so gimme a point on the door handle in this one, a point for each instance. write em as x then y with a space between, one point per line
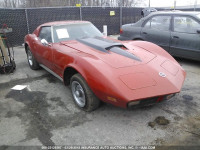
175 37
144 33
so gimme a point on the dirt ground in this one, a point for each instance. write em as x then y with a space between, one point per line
45 114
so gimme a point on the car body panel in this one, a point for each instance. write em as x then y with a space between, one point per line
185 45
113 77
162 39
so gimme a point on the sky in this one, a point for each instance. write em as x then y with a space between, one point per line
170 3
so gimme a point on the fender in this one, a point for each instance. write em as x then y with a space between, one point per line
137 38
28 42
96 80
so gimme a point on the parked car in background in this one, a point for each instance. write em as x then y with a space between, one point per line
146 11
99 68
176 32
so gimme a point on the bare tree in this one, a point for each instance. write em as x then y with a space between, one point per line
5 3
53 3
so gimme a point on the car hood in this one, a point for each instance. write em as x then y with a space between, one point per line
112 52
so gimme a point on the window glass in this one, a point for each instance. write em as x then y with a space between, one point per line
75 31
198 15
45 33
185 24
159 22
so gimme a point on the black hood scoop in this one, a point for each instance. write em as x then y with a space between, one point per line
106 46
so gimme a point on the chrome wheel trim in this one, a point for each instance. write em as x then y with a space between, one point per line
78 93
30 58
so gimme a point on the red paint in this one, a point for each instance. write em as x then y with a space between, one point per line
106 74
120 31
160 99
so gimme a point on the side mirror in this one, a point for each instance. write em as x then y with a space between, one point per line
44 42
198 31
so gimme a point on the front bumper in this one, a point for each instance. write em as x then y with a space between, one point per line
149 101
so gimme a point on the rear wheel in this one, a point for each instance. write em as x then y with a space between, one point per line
31 60
83 96
138 40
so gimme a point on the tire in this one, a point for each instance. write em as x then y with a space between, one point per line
34 65
83 96
13 64
138 40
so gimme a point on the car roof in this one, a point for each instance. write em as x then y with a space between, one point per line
55 23
177 12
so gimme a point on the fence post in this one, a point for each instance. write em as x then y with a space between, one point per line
120 16
27 23
105 30
81 14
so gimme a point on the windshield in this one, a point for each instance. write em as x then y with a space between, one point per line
198 15
75 31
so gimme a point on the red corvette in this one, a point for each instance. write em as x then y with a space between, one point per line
99 68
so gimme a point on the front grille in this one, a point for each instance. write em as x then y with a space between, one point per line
148 101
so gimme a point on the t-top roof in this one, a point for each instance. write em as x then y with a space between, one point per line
55 23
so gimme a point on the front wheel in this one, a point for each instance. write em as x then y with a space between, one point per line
83 96
31 60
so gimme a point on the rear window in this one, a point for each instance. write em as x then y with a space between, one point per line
159 22
185 24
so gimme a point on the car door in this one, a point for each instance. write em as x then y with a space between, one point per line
157 30
60 57
185 41
44 51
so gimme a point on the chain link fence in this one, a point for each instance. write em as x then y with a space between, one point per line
24 21
15 19
37 16
101 16
130 15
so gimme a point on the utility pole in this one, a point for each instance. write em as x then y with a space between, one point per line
195 5
174 4
149 3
